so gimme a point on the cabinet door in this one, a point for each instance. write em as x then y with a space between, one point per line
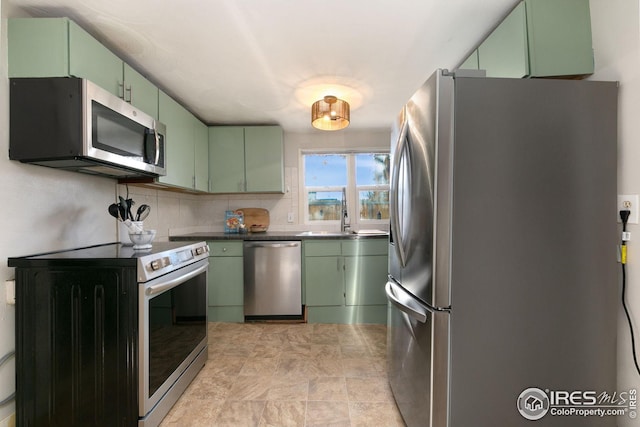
559 37
140 92
38 47
365 277
225 281
201 161
180 147
471 63
324 280
505 52
88 58
264 159
226 159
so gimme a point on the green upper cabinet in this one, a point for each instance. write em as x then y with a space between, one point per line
58 47
88 58
540 38
471 63
226 159
246 159
140 92
180 149
201 161
264 159
187 146
504 52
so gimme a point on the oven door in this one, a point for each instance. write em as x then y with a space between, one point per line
173 330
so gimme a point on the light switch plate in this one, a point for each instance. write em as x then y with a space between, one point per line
630 202
290 217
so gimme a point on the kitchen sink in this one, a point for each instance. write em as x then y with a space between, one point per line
342 233
326 233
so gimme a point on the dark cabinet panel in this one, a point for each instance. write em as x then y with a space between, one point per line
76 349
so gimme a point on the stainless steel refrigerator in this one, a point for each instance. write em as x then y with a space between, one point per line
503 266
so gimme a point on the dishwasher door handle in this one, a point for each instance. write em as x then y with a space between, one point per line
271 245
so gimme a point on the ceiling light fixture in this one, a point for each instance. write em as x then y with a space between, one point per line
330 113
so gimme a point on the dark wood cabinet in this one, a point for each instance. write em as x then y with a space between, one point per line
76 346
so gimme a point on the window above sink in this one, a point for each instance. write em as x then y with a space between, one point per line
364 175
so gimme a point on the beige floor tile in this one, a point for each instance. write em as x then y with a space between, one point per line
261 374
283 414
371 389
209 387
365 367
222 365
367 414
354 351
239 414
253 387
259 366
331 413
327 388
193 412
288 388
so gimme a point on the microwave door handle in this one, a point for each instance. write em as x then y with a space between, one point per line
155 133
395 176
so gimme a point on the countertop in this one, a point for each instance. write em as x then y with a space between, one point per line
274 235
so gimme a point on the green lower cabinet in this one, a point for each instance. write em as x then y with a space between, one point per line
344 281
324 278
226 282
365 279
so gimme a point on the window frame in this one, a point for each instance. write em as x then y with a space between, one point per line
352 190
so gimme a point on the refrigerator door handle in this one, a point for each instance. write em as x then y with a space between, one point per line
395 176
405 302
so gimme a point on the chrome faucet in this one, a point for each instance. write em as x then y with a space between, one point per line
345 223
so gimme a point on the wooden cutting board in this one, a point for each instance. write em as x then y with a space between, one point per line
255 216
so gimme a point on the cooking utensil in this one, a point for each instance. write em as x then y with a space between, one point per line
122 206
130 203
143 212
114 211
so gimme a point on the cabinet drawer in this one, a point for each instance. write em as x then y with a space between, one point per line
365 247
225 248
323 248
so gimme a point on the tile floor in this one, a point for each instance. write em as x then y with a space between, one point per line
290 375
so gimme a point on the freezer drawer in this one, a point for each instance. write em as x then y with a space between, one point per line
272 279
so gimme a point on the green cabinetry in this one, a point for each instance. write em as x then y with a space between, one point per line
344 280
539 38
186 145
247 159
226 282
58 47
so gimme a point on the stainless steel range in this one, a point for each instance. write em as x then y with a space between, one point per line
106 335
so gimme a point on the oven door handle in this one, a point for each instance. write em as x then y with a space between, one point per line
157 289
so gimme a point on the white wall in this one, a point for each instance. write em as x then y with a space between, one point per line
616 42
43 210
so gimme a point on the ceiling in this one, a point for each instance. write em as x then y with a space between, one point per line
265 62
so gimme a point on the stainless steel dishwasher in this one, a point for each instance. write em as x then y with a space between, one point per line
272 280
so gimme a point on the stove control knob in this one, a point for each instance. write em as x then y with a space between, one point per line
198 251
159 263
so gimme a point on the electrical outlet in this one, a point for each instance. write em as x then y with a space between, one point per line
630 202
290 217
10 291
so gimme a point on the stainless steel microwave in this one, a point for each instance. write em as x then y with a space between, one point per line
70 123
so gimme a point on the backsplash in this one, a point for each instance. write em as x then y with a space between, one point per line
178 213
